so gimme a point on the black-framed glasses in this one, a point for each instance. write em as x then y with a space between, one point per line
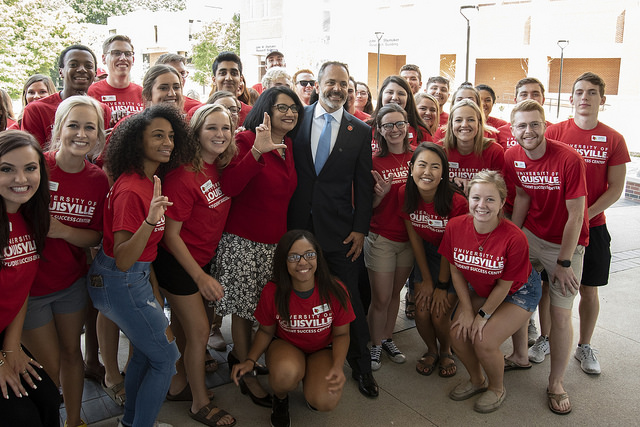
389 126
304 83
283 108
119 53
535 126
308 256
184 73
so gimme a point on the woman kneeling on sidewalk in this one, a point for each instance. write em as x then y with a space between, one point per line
311 344
489 259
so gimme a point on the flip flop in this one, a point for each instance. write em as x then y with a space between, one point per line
444 369
510 365
558 397
427 368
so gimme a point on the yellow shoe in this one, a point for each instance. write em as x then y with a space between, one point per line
83 424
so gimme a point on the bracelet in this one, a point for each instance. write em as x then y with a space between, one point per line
254 362
442 285
253 147
1 362
4 352
153 225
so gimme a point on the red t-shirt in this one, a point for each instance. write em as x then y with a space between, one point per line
496 122
444 118
261 191
77 200
385 220
39 116
504 255
126 208
600 148
191 104
258 87
242 114
361 115
19 266
310 325
426 222
199 204
118 99
466 166
558 176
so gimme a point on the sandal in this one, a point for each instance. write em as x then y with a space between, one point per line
210 414
113 391
424 368
558 397
96 375
447 370
409 306
510 365
185 395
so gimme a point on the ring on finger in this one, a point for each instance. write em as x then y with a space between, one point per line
25 372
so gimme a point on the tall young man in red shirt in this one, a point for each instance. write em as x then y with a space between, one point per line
227 75
605 153
118 91
438 86
550 205
413 76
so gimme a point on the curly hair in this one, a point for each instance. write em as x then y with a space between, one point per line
413 117
327 284
62 113
196 125
125 152
36 210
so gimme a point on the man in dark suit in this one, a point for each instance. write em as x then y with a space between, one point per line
334 197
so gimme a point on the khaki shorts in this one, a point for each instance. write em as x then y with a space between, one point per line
544 256
384 255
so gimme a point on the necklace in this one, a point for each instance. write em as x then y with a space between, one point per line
404 162
481 246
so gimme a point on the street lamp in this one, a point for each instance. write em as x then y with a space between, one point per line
561 44
379 35
471 11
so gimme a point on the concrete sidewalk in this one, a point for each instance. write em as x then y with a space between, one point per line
409 399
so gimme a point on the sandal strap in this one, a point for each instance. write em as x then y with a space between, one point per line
205 413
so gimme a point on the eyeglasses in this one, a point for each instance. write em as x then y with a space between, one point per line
535 126
184 73
361 93
304 83
119 53
308 256
389 126
233 110
283 108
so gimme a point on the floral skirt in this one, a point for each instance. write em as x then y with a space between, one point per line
242 267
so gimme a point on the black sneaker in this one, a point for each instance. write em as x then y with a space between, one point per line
280 412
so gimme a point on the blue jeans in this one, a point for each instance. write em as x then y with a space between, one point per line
127 299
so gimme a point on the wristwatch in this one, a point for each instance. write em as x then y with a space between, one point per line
564 262
483 314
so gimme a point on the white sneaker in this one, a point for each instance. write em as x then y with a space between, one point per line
539 350
587 357
376 352
532 333
392 351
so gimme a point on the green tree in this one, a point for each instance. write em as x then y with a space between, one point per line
214 38
32 34
97 11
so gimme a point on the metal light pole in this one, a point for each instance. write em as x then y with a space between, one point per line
379 35
561 44
467 8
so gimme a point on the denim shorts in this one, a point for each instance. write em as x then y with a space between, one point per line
528 296
433 262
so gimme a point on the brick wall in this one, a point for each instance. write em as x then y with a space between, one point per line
632 189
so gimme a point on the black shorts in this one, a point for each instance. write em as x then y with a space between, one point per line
172 277
597 257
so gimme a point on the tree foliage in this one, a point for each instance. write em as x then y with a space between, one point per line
97 11
32 34
214 38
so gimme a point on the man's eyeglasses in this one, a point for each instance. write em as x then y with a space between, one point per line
535 126
308 256
283 108
305 83
119 53
389 126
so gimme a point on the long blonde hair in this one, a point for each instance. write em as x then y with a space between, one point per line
196 124
62 113
450 142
